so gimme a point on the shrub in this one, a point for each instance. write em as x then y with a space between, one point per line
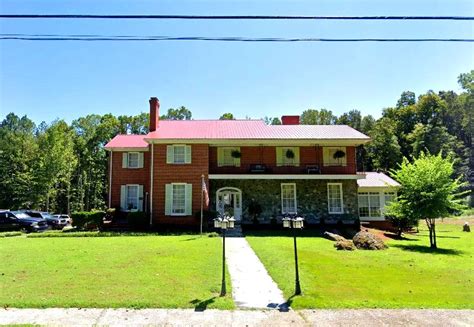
88 219
138 219
10 234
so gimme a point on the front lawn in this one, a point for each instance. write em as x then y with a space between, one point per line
407 275
140 271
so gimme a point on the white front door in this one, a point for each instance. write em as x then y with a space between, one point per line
229 201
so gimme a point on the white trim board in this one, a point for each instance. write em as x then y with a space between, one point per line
271 176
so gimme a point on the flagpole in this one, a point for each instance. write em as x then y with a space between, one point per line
202 199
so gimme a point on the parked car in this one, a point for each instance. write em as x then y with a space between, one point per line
64 216
17 220
54 222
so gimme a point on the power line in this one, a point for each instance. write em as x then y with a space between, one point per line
231 17
87 37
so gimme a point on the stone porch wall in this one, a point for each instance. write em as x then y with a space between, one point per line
311 198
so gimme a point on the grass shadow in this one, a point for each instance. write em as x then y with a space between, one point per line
437 236
201 305
398 238
427 249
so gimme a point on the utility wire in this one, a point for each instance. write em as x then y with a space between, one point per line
231 17
87 37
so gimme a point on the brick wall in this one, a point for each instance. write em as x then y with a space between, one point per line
122 176
183 173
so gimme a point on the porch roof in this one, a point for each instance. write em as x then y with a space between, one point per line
374 179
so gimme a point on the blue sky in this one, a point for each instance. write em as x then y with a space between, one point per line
66 80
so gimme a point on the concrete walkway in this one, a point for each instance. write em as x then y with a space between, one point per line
189 317
252 287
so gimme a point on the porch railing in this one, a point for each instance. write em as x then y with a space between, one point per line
306 168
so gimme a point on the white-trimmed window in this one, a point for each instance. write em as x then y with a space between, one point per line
178 199
178 154
131 197
389 197
288 156
332 156
132 160
370 204
225 157
335 204
288 198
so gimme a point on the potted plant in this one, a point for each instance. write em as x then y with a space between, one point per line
338 155
236 154
290 154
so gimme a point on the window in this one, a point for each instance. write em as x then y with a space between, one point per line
225 158
331 158
131 197
369 204
288 198
178 154
389 197
178 199
288 156
335 198
132 160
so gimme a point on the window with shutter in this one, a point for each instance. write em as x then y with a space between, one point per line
133 160
178 154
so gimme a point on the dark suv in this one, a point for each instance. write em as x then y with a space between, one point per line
54 222
17 220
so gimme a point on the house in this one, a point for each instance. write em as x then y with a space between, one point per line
249 168
375 191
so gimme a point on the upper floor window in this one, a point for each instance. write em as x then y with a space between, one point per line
132 160
288 156
228 156
335 156
288 198
178 154
335 198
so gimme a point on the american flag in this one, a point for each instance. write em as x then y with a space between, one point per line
206 194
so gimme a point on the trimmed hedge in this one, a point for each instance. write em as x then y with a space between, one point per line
10 234
88 219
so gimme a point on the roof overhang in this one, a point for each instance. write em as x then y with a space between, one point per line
284 176
257 142
129 149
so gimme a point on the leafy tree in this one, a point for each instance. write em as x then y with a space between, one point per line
317 117
406 99
181 113
18 153
272 120
227 116
384 149
427 191
352 118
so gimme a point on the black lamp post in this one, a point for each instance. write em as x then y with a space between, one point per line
293 224
224 223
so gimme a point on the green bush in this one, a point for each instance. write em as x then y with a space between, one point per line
88 219
10 234
138 220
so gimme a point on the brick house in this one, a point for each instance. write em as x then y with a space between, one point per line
288 168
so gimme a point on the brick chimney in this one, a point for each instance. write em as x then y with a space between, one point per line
290 120
154 113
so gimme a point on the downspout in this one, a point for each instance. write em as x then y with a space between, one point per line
151 183
110 178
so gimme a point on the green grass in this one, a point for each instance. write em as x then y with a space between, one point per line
407 275
139 271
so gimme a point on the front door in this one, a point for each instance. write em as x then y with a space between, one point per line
229 201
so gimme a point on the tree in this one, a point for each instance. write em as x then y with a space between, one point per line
317 117
352 118
427 191
182 113
407 98
384 150
272 120
227 116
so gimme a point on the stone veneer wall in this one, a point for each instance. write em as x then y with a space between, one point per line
311 197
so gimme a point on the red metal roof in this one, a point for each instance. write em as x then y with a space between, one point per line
249 129
127 141
236 130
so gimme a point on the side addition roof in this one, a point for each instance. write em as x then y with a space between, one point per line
373 179
126 142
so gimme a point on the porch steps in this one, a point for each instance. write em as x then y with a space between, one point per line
235 232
